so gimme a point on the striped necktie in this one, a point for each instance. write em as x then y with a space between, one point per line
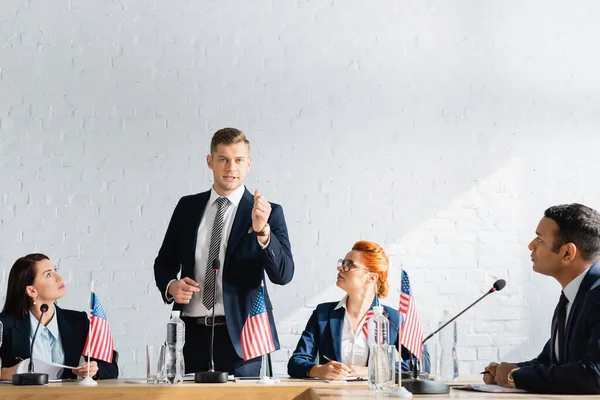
208 297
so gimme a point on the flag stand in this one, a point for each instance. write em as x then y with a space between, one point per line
88 381
264 379
400 391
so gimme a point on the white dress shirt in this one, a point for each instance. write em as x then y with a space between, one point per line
570 292
47 346
355 347
196 308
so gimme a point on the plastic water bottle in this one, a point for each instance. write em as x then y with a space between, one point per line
455 352
381 354
174 365
448 355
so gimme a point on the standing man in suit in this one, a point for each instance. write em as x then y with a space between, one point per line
567 248
245 235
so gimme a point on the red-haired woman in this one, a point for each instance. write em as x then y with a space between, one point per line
334 330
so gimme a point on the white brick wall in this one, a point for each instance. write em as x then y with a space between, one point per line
439 129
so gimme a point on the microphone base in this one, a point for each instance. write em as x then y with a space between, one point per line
29 379
409 375
210 377
422 386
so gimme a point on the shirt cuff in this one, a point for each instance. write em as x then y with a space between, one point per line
264 246
167 295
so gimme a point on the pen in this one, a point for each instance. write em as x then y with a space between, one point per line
327 358
484 372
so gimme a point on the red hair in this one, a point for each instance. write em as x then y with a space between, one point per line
376 261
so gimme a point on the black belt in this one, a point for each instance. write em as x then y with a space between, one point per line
206 321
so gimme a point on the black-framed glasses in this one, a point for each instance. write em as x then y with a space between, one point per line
347 265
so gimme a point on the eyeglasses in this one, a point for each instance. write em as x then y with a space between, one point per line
347 265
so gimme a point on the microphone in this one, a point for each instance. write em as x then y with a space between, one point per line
31 378
496 287
420 386
212 376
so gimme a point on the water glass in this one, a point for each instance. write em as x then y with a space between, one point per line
155 363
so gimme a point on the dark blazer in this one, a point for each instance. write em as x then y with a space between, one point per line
323 335
245 261
578 370
73 327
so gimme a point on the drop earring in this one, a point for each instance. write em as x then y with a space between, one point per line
34 303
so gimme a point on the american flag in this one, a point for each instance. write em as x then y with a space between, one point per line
411 335
99 343
256 334
365 327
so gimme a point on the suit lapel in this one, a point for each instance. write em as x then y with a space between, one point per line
241 224
336 320
196 215
20 339
67 337
592 276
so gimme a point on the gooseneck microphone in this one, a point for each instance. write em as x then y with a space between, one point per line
496 287
31 378
212 376
421 386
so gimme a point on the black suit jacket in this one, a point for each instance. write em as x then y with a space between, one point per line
578 371
73 327
245 261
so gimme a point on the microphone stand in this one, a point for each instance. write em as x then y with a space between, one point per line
32 378
416 385
212 376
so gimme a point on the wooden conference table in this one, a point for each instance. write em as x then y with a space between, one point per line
286 389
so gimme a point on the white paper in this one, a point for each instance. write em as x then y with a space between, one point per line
40 366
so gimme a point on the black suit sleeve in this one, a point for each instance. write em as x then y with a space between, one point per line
6 351
541 359
168 264
277 256
578 377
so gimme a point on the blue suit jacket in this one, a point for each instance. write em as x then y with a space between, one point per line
578 370
245 261
323 335
73 327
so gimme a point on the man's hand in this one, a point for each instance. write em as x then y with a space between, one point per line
502 371
183 290
332 371
490 379
260 215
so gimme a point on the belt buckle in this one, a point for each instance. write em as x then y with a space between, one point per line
206 319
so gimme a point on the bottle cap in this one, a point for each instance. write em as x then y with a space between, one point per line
378 310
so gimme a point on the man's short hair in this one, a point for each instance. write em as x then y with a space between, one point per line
227 136
577 224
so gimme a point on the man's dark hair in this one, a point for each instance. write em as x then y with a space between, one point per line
577 224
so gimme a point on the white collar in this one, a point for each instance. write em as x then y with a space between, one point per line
572 287
52 325
342 303
234 198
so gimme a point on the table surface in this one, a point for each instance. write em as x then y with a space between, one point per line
285 389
